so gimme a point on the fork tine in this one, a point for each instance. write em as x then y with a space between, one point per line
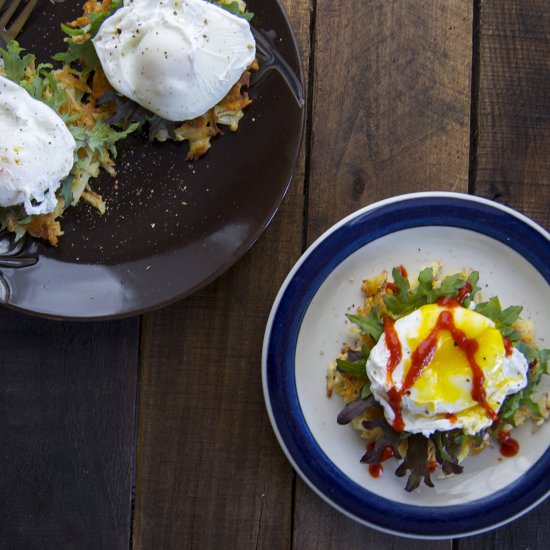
17 25
8 13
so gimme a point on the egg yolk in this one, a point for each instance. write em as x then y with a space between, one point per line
443 367
447 378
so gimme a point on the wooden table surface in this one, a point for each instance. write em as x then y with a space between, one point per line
151 433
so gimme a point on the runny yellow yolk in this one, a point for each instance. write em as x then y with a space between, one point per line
447 378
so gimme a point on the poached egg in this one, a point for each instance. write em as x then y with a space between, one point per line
441 368
176 58
36 150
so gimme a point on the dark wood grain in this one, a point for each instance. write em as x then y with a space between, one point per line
67 409
531 532
391 111
513 160
318 526
391 102
210 472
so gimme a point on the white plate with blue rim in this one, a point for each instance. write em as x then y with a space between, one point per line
306 330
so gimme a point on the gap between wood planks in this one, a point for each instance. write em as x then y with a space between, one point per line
474 96
308 138
133 466
309 124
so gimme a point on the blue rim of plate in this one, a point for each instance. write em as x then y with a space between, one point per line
318 471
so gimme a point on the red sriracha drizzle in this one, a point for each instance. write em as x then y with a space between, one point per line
508 445
463 293
392 286
376 469
447 301
508 347
422 356
394 345
452 418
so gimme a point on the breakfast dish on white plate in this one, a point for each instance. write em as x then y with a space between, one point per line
470 441
177 69
434 373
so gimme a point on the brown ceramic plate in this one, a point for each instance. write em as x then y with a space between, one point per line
171 227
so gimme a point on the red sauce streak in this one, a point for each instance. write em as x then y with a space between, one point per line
375 470
394 345
452 418
464 293
394 397
508 445
508 347
393 287
387 452
432 465
447 301
423 355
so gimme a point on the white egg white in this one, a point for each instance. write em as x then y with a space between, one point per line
507 375
176 58
36 150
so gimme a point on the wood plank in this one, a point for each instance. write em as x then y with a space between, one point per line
513 161
210 472
391 102
391 115
67 409
318 526
529 532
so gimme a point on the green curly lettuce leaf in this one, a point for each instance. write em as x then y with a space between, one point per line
101 138
370 324
538 365
353 368
83 51
407 300
15 64
503 318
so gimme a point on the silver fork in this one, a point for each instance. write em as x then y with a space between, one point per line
11 26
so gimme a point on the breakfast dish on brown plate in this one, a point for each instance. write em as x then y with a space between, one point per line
171 70
170 224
